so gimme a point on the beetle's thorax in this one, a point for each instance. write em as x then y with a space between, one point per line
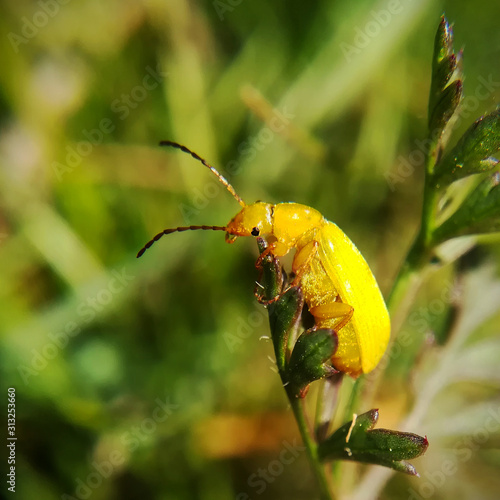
294 223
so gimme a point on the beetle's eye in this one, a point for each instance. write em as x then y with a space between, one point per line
255 231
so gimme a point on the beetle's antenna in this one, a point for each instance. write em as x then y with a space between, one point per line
199 158
179 230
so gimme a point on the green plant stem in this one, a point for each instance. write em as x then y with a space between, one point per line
406 284
284 315
409 277
413 271
311 447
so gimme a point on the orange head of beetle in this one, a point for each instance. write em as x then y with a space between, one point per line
252 220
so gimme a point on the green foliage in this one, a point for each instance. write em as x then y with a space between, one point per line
358 441
478 214
310 359
474 153
447 80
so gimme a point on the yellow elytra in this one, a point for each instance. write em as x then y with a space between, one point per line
338 286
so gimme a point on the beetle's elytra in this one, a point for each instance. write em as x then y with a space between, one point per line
338 286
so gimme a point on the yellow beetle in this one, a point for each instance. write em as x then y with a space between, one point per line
338 286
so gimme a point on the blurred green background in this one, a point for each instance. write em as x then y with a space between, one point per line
148 378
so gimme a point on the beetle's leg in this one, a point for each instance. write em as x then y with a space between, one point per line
263 255
276 249
301 262
266 302
256 291
268 252
333 310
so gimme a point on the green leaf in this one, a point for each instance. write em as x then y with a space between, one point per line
446 84
272 275
359 442
445 107
478 214
284 314
478 151
310 359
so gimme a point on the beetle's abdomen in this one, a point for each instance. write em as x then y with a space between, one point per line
318 289
338 272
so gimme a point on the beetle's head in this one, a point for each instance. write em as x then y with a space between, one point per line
252 220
